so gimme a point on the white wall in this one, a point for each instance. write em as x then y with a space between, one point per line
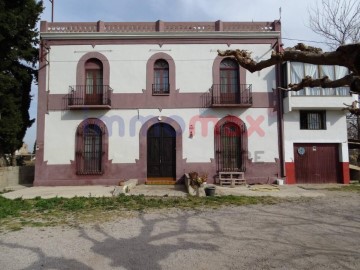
124 143
336 132
193 62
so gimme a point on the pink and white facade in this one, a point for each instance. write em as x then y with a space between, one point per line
153 101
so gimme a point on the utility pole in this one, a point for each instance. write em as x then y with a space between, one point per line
52 10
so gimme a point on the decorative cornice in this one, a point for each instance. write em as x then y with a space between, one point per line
159 29
162 35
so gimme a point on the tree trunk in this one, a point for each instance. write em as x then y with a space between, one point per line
358 127
13 159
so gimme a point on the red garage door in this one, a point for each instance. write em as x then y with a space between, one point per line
317 163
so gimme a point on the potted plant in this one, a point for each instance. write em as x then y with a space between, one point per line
197 181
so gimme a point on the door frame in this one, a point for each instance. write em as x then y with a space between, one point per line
142 161
162 150
229 93
309 147
97 91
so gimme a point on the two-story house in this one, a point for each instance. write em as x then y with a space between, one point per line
153 101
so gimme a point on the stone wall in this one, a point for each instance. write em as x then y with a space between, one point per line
13 176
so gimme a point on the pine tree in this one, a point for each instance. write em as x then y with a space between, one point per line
18 59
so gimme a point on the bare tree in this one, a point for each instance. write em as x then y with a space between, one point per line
338 21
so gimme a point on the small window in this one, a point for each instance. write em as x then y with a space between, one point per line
161 84
312 120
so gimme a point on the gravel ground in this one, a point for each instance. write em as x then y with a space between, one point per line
319 233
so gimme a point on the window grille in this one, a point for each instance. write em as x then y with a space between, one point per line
312 120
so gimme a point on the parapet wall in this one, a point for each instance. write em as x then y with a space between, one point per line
13 176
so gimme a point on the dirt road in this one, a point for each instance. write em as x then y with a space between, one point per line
321 233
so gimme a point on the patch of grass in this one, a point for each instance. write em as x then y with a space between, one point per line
13 207
19 213
46 204
346 188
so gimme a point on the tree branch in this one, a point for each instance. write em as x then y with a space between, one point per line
346 56
353 108
324 82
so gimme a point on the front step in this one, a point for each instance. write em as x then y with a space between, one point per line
160 182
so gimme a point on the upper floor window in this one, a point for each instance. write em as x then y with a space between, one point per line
93 82
228 90
229 84
92 90
312 120
161 77
229 76
298 71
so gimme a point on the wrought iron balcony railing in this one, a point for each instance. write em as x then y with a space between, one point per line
161 89
89 96
231 95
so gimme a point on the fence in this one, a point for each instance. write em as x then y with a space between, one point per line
13 176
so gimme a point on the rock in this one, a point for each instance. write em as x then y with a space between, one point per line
124 187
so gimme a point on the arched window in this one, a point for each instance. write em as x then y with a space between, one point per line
161 77
229 82
230 144
90 147
94 82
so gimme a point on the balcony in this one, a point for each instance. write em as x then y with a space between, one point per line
89 97
318 98
161 89
230 95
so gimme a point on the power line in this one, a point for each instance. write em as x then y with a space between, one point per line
304 40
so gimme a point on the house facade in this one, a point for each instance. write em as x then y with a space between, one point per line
154 101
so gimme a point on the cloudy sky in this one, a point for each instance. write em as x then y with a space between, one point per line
294 18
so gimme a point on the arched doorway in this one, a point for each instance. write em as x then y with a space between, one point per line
161 152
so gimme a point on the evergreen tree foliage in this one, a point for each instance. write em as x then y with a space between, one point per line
18 59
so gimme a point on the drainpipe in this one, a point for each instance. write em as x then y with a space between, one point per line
280 110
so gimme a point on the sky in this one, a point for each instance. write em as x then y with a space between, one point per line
294 19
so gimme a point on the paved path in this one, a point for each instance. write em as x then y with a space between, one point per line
60 191
320 233
158 190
